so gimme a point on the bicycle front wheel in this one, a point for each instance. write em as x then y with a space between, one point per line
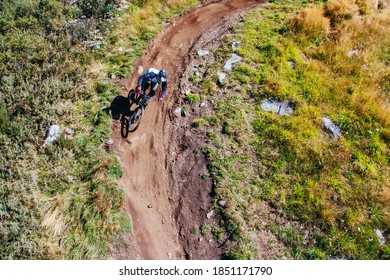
124 127
135 119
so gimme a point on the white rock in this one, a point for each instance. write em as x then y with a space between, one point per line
233 59
222 203
140 69
352 53
236 45
291 63
110 142
69 131
330 126
210 214
51 135
123 7
203 52
95 45
281 108
381 238
177 112
221 77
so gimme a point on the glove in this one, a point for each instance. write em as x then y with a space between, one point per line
138 89
160 100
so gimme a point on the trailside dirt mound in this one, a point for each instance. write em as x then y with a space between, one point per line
165 193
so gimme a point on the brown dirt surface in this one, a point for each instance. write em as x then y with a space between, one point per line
167 194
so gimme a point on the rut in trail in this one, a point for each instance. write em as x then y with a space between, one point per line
164 193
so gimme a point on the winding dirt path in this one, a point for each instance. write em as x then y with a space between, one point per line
162 206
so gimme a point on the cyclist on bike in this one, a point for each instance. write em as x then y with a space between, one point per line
150 80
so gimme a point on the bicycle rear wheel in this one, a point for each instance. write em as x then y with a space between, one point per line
135 119
124 127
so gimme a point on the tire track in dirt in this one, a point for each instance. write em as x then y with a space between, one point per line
167 198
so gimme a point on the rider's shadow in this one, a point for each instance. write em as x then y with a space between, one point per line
122 105
119 106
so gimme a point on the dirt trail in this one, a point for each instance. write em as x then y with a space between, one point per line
165 199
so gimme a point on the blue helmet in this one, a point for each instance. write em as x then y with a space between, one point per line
162 75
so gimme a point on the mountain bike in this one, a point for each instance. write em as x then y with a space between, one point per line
132 122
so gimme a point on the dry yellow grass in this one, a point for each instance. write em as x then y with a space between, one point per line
311 21
361 34
338 10
369 102
54 219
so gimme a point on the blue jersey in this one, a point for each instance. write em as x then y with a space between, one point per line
152 75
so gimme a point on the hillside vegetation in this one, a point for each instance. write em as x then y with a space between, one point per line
56 56
284 180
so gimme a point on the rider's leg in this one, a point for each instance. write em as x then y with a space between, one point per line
152 92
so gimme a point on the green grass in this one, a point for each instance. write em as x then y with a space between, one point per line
193 98
199 122
333 194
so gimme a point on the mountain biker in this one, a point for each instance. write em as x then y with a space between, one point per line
150 80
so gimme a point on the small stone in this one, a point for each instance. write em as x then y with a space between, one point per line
381 238
203 52
221 77
163 222
95 45
352 53
233 59
200 239
169 256
113 76
292 64
281 108
120 49
177 112
52 134
236 45
210 214
140 69
222 203
69 131
331 127
150 206
110 142
202 104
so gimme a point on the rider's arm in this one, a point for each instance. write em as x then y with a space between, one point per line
140 80
164 86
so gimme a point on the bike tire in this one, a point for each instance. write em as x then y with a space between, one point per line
136 119
124 127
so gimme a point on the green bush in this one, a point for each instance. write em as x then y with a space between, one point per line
193 98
